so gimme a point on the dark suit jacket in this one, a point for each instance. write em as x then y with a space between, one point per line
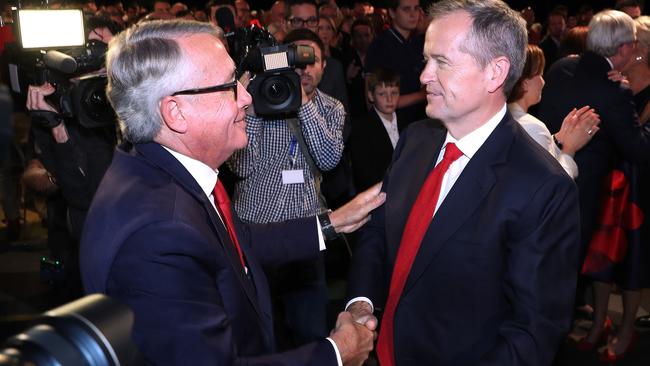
154 241
494 279
576 82
550 49
370 149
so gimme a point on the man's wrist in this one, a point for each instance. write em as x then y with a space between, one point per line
328 230
339 361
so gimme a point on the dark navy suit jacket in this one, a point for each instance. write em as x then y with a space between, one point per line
154 241
574 82
371 150
494 279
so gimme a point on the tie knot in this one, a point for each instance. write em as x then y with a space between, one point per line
451 152
220 195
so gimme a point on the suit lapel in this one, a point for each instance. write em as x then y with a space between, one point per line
419 160
467 194
380 131
158 156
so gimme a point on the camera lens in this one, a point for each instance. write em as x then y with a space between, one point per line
276 89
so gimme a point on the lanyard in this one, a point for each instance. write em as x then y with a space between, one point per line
293 152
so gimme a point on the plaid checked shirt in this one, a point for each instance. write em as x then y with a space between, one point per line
261 196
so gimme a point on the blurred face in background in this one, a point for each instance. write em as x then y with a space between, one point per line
361 38
303 16
326 31
405 16
556 26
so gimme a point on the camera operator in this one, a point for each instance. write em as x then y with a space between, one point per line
279 183
76 157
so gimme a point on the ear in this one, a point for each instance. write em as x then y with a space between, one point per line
524 84
371 98
172 114
497 73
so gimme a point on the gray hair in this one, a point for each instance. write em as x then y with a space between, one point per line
608 30
496 31
145 63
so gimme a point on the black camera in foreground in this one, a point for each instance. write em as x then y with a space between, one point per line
94 331
70 65
275 86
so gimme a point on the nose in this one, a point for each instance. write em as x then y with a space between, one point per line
428 73
244 99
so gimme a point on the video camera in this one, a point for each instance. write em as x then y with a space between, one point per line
53 50
275 86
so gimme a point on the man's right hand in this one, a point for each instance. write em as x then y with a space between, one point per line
354 341
36 98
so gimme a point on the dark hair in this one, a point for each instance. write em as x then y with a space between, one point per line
95 22
534 66
361 22
382 76
622 4
574 41
392 4
291 3
305 35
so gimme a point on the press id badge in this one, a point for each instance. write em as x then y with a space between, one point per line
293 176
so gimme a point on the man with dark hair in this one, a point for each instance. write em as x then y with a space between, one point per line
303 14
361 36
280 179
555 27
400 49
473 256
629 7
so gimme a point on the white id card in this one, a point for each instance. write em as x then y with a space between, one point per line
292 176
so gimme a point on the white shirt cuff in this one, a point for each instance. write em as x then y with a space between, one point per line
336 350
360 298
321 240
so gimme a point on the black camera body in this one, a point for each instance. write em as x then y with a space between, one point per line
74 72
275 85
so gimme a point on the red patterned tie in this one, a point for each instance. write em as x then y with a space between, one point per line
223 206
416 226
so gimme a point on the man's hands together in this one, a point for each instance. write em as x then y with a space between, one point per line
353 338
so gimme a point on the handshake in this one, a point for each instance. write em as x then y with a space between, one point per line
355 333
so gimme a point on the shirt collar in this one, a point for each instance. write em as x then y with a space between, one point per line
384 120
205 176
473 141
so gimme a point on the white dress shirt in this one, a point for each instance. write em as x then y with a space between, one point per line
468 145
390 126
206 177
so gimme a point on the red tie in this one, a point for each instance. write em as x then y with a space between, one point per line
223 206
416 226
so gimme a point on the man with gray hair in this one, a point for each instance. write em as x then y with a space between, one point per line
473 256
161 235
573 82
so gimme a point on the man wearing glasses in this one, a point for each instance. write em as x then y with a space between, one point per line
303 14
161 236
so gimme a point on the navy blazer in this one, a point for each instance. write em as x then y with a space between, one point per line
370 150
574 82
154 241
494 279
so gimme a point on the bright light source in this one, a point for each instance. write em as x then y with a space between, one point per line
51 28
